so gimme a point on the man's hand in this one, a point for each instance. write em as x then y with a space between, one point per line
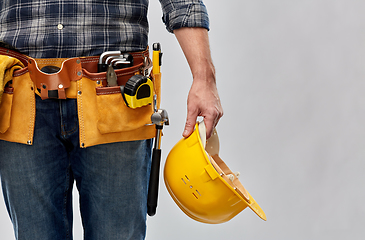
203 99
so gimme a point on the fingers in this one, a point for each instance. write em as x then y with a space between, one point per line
192 114
209 108
211 121
190 124
203 100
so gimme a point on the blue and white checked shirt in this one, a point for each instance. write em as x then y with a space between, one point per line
73 28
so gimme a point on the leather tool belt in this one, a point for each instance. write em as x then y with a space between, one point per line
103 115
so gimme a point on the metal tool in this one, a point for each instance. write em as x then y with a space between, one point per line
108 60
125 62
114 60
111 77
117 59
102 66
158 118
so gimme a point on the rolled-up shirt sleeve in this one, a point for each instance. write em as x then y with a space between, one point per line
184 13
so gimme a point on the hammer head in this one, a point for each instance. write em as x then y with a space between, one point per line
160 117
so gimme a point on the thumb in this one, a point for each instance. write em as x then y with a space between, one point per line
190 123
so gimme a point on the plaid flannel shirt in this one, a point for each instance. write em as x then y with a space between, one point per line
73 28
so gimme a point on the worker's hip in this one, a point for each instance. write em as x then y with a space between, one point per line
103 113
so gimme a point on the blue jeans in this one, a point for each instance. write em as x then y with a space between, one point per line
37 181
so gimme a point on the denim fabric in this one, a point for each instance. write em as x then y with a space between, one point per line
37 181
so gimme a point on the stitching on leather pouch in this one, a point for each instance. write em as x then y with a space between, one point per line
31 123
108 92
81 128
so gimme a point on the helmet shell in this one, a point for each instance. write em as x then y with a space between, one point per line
201 189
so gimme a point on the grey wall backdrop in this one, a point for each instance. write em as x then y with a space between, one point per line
291 79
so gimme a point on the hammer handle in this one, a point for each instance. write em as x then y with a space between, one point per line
154 182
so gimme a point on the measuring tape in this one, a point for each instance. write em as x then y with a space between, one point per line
138 91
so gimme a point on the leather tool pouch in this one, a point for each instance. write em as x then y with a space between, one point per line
17 109
103 114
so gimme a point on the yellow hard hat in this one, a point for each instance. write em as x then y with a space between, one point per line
200 182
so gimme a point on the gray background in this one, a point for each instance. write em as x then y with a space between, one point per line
290 75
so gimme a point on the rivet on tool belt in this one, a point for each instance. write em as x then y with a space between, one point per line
53 85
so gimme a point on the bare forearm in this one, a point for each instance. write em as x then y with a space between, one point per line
203 99
195 44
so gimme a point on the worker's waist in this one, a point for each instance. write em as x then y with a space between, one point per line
62 84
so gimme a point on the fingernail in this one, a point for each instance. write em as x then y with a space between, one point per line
185 133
